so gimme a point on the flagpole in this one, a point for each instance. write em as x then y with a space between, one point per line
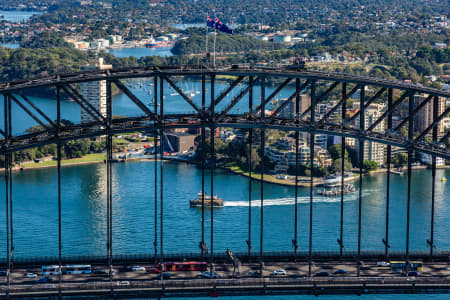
215 46
206 38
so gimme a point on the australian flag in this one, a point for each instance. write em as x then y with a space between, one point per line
222 27
209 22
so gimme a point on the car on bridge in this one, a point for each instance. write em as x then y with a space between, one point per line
340 272
253 274
208 275
383 264
153 270
321 274
138 269
99 272
45 279
164 276
279 272
30 275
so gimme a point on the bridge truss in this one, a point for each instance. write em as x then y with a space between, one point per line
217 110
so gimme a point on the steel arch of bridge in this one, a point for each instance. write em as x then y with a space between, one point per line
320 85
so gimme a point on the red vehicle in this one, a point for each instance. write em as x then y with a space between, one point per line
154 270
184 266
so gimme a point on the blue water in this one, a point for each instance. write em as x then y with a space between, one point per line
84 212
18 16
10 45
140 52
122 105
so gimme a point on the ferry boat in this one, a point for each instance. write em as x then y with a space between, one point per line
348 189
213 201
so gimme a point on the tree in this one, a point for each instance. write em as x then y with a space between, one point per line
370 165
335 152
337 164
400 159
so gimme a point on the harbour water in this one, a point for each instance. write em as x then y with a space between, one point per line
143 88
139 52
18 16
10 45
84 212
84 203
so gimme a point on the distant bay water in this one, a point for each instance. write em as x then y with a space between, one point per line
141 52
18 16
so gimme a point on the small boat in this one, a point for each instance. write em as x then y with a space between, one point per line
173 94
444 179
209 201
348 189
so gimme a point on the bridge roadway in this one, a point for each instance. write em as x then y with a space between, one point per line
434 278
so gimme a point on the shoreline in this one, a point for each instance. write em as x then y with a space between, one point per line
317 182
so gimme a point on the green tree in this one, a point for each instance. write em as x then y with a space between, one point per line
337 164
370 165
400 159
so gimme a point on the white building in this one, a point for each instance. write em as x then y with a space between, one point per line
428 159
116 38
100 44
94 92
373 151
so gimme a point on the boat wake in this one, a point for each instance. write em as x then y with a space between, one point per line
290 201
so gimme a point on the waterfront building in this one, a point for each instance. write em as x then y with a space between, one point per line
100 44
178 142
373 151
424 117
323 156
283 153
428 159
116 38
94 91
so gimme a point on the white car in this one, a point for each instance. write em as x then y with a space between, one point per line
383 264
30 275
138 269
279 272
